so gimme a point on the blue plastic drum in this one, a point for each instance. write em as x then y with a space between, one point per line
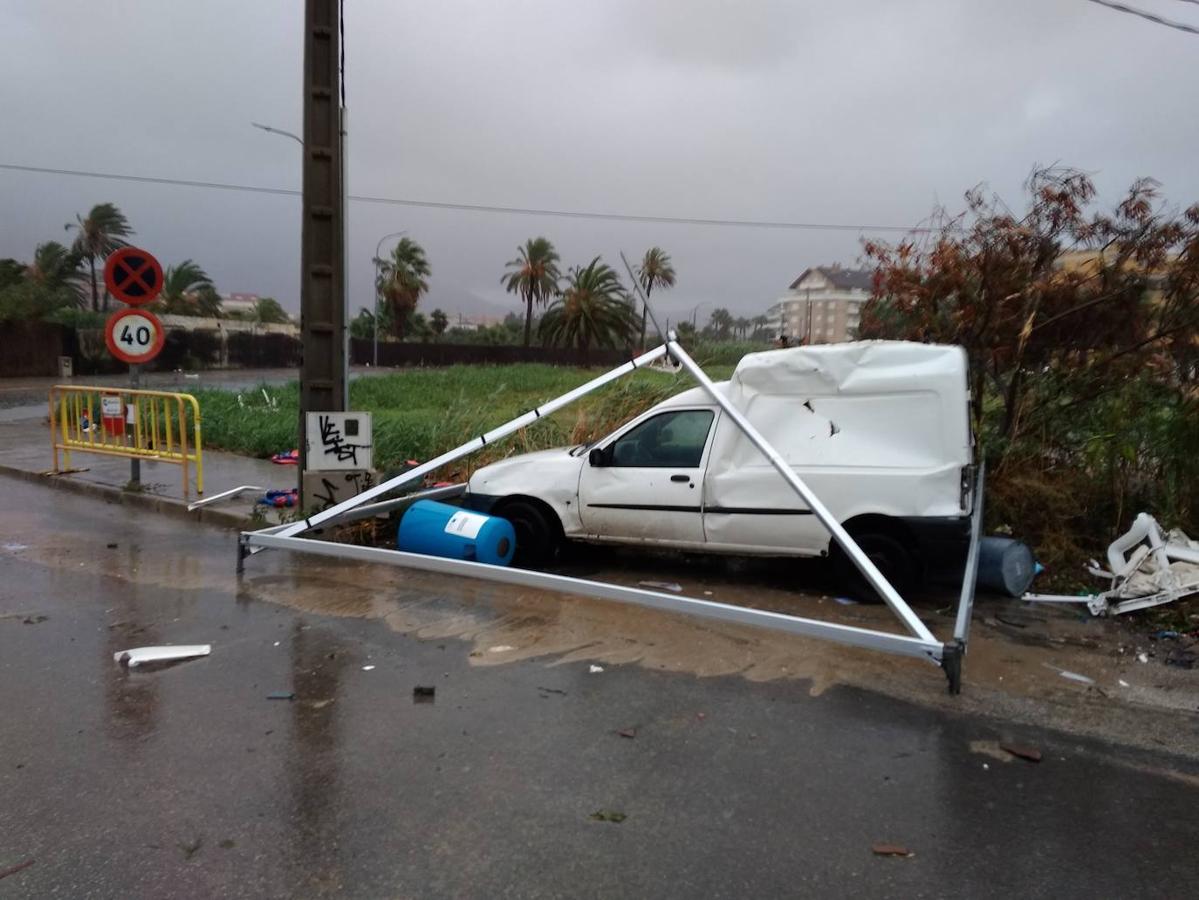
438 529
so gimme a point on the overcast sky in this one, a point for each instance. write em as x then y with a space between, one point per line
860 111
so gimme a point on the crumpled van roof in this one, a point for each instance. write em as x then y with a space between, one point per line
859 367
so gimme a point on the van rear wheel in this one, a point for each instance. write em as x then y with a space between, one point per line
888 553
537 537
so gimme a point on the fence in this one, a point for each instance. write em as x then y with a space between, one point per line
32 348
158 426
434 354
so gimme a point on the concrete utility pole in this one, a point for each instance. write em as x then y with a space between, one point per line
322 234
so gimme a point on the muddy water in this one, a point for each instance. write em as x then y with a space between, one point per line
1013 668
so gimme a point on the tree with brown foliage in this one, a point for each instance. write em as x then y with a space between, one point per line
1102 295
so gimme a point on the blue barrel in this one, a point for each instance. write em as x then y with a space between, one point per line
1005 566
438 529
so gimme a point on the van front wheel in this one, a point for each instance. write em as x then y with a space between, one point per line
888 553
537 538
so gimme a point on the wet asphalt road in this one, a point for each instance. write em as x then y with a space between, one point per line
188 781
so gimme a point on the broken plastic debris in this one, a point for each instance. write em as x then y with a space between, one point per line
281 695
1143 657
627 733
500 648
1070 676
367 668
608 815
596 669
1124 683
663 585
846 601
138 655
1032 754
891 850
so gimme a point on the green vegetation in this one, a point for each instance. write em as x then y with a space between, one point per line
102 231
655 271
534 275
593 311
403 278
1082 330
419 413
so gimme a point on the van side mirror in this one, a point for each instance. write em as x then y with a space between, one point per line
597 457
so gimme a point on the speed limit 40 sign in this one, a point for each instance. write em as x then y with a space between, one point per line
134 335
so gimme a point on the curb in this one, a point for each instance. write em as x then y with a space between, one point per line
151 502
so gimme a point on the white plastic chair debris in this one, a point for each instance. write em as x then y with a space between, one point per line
139 655
1147 568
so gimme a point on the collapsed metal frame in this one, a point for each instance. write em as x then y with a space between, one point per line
919 642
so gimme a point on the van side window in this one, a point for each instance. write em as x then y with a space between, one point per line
670 439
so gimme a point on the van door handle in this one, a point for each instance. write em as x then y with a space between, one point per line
680 478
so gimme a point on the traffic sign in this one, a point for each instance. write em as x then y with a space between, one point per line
134 335
133 276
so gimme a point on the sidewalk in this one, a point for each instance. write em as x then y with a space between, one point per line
25 453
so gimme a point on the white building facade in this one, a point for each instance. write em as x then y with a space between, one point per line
822 306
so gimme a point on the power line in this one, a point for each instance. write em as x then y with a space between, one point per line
471 207
1120 7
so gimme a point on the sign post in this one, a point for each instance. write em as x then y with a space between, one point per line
133 335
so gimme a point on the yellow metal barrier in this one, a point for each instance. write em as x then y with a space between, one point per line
137 424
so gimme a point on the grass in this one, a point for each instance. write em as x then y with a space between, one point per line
420 413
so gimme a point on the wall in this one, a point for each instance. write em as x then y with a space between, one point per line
433 354
32 348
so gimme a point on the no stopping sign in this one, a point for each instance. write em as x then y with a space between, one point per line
134 335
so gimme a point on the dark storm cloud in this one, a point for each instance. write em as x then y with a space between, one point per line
837 112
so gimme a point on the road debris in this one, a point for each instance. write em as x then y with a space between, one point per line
846 601
663 585
19 867
629 733
546 690
500 648
595 670
1032 754
281 695
1142 657
892 850
367 668
34 620
141 655
1146 567
1124 683
424 694
1068 675
608 815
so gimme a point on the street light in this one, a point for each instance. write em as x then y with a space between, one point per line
375 317
268 128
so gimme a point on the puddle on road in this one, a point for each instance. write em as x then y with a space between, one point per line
1004 658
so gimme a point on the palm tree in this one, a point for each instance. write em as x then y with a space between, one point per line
592 311
534 276
402 279
759 323
54 266
719 322
178 283
208 302
103 231
655 271
439 322
741 327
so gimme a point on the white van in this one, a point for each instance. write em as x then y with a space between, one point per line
880 430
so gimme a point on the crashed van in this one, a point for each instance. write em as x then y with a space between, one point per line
880 431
